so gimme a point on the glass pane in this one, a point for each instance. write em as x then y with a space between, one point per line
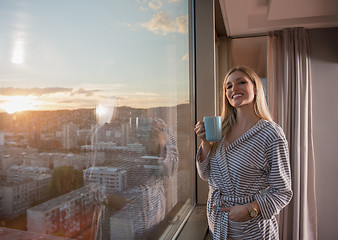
95 119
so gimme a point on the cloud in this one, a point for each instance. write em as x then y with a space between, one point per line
10 91
84 92
155 4
162 24
143 8
172 1
78 101
181 23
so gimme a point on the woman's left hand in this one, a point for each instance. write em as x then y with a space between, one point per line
237 213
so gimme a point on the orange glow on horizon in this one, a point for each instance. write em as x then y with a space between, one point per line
19 103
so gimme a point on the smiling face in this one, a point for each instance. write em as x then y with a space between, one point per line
240 90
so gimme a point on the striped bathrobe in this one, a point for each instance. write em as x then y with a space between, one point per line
254 167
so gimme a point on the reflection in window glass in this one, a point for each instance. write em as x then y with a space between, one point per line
95 119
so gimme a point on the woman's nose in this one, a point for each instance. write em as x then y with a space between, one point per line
234 87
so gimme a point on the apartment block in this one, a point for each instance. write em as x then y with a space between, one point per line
70 136
111 178
69 213
19 173
17 197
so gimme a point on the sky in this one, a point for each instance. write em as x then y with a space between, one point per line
69 54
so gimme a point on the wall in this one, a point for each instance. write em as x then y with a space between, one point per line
324 67
205 73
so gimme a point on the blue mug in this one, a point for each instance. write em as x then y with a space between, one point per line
213 128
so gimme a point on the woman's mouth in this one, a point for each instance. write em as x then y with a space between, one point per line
237 95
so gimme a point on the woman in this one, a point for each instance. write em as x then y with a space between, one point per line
248 170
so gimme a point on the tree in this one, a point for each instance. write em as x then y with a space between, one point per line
64 180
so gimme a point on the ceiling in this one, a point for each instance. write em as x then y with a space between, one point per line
236 18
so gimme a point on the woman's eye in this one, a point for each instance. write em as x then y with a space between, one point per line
229 86
242 82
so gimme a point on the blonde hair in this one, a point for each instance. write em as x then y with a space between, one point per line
260 106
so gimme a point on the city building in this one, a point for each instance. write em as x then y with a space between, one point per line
17 197
70 136
34 135
66 214
78 161
18 173
103 146
145 209
111 178
10 156
2 138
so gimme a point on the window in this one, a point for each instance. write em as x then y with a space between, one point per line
96 112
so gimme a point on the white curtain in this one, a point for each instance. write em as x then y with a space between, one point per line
289 97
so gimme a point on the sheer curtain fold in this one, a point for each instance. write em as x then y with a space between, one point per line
289 96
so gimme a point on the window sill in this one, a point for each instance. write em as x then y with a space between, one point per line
196 226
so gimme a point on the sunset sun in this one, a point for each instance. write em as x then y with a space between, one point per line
19 103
